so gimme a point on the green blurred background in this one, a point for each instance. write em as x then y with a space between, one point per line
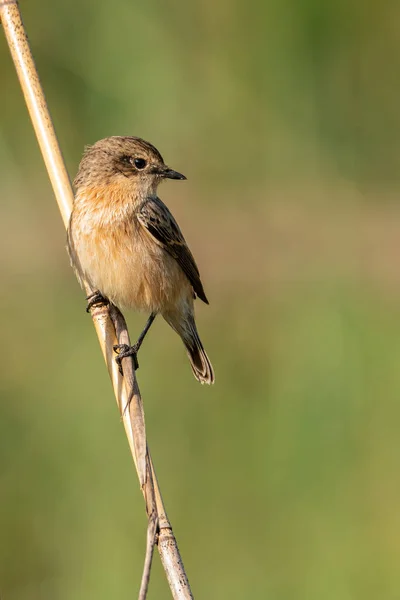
282 481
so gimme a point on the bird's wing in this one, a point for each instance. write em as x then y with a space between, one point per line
157 220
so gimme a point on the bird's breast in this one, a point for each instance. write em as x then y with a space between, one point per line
125 264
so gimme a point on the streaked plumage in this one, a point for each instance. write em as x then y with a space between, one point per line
125 242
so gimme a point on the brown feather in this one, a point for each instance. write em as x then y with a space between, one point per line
159 222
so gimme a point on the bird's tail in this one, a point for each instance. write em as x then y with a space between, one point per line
199 361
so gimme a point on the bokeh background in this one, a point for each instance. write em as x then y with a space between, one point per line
282 481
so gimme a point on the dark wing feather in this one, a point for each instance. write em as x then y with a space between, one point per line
155 217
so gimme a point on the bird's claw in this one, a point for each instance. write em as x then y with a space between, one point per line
96 298
123 350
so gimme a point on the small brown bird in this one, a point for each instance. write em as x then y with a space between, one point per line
127 245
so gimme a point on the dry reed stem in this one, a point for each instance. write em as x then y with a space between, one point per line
110 324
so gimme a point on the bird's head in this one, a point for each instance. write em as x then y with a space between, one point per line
127 160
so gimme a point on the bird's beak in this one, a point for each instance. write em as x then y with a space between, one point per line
170 173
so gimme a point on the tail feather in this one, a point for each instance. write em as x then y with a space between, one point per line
199 361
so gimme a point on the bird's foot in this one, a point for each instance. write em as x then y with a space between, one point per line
96 298
123 350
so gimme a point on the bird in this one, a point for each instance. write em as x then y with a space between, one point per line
124 242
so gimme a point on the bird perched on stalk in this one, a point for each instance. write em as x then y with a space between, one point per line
124 242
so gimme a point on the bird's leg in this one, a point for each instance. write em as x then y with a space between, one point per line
123 350
96 298
146 328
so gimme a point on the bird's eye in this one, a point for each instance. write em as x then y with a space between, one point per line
140 163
